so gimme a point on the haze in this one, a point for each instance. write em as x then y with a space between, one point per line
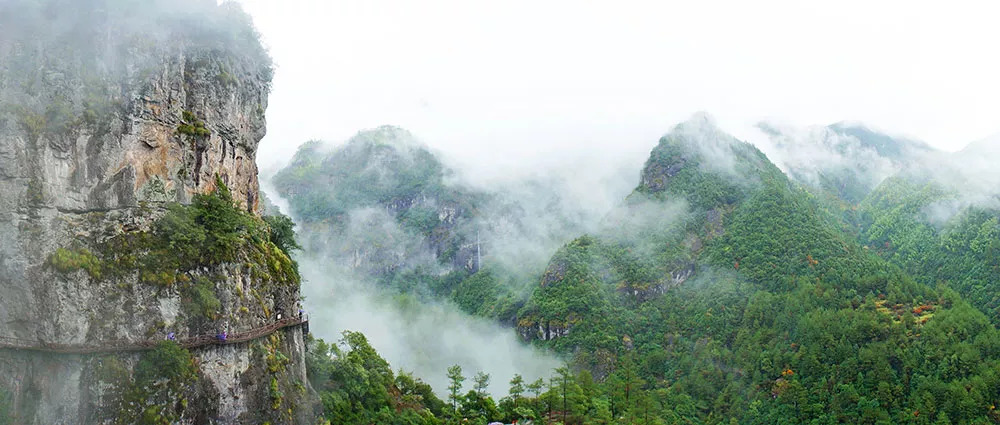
531 83
518 90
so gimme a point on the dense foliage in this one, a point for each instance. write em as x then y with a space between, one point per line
357 386
210 231
756 305
787 320
961 251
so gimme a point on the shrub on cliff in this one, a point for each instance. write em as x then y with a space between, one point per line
162 379
282 232
5 414
180 232
67 260
199 299
212 230
167 361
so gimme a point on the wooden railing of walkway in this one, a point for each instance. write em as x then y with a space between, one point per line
127 346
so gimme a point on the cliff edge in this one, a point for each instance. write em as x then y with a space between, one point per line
129 216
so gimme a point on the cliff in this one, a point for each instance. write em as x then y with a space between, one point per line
113 115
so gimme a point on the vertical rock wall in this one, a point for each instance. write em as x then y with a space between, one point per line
109 111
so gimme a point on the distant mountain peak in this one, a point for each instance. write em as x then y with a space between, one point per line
699 161
847 158
886 145
387 134
989 146
702 127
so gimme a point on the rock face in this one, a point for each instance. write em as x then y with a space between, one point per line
154 118
110 110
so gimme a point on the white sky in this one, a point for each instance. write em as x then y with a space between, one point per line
499 84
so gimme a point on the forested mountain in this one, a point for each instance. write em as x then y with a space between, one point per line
381 205
845 160
939 222
386 208
722 291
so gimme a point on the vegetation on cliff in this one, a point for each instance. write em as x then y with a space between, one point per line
157 391
189 248
210 231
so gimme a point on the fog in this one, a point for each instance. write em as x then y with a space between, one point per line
520 84
521 88
537 212
971 177
414 336
99 44
553 108
808 152
521 221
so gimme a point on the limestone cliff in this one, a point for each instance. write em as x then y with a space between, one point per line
110 111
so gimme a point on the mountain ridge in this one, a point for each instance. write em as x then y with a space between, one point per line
734 293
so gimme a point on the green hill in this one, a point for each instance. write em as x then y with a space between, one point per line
786 319
723 292
380 203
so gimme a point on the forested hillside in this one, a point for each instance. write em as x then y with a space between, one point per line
927 229
723 292
382 178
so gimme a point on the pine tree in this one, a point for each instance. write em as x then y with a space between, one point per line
516 388
455 379
481 383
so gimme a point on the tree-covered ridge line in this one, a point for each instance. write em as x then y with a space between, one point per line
810 301
961 252
385 199
754 303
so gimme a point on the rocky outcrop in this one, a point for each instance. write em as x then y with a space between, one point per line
656 176
109 111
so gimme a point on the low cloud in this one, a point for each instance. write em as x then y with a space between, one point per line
419 337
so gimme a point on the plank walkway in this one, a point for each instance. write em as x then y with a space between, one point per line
131 346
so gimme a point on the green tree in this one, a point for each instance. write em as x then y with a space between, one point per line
455 380
282 232
566 395
481 383
516 389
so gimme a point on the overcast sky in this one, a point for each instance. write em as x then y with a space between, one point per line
527 83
